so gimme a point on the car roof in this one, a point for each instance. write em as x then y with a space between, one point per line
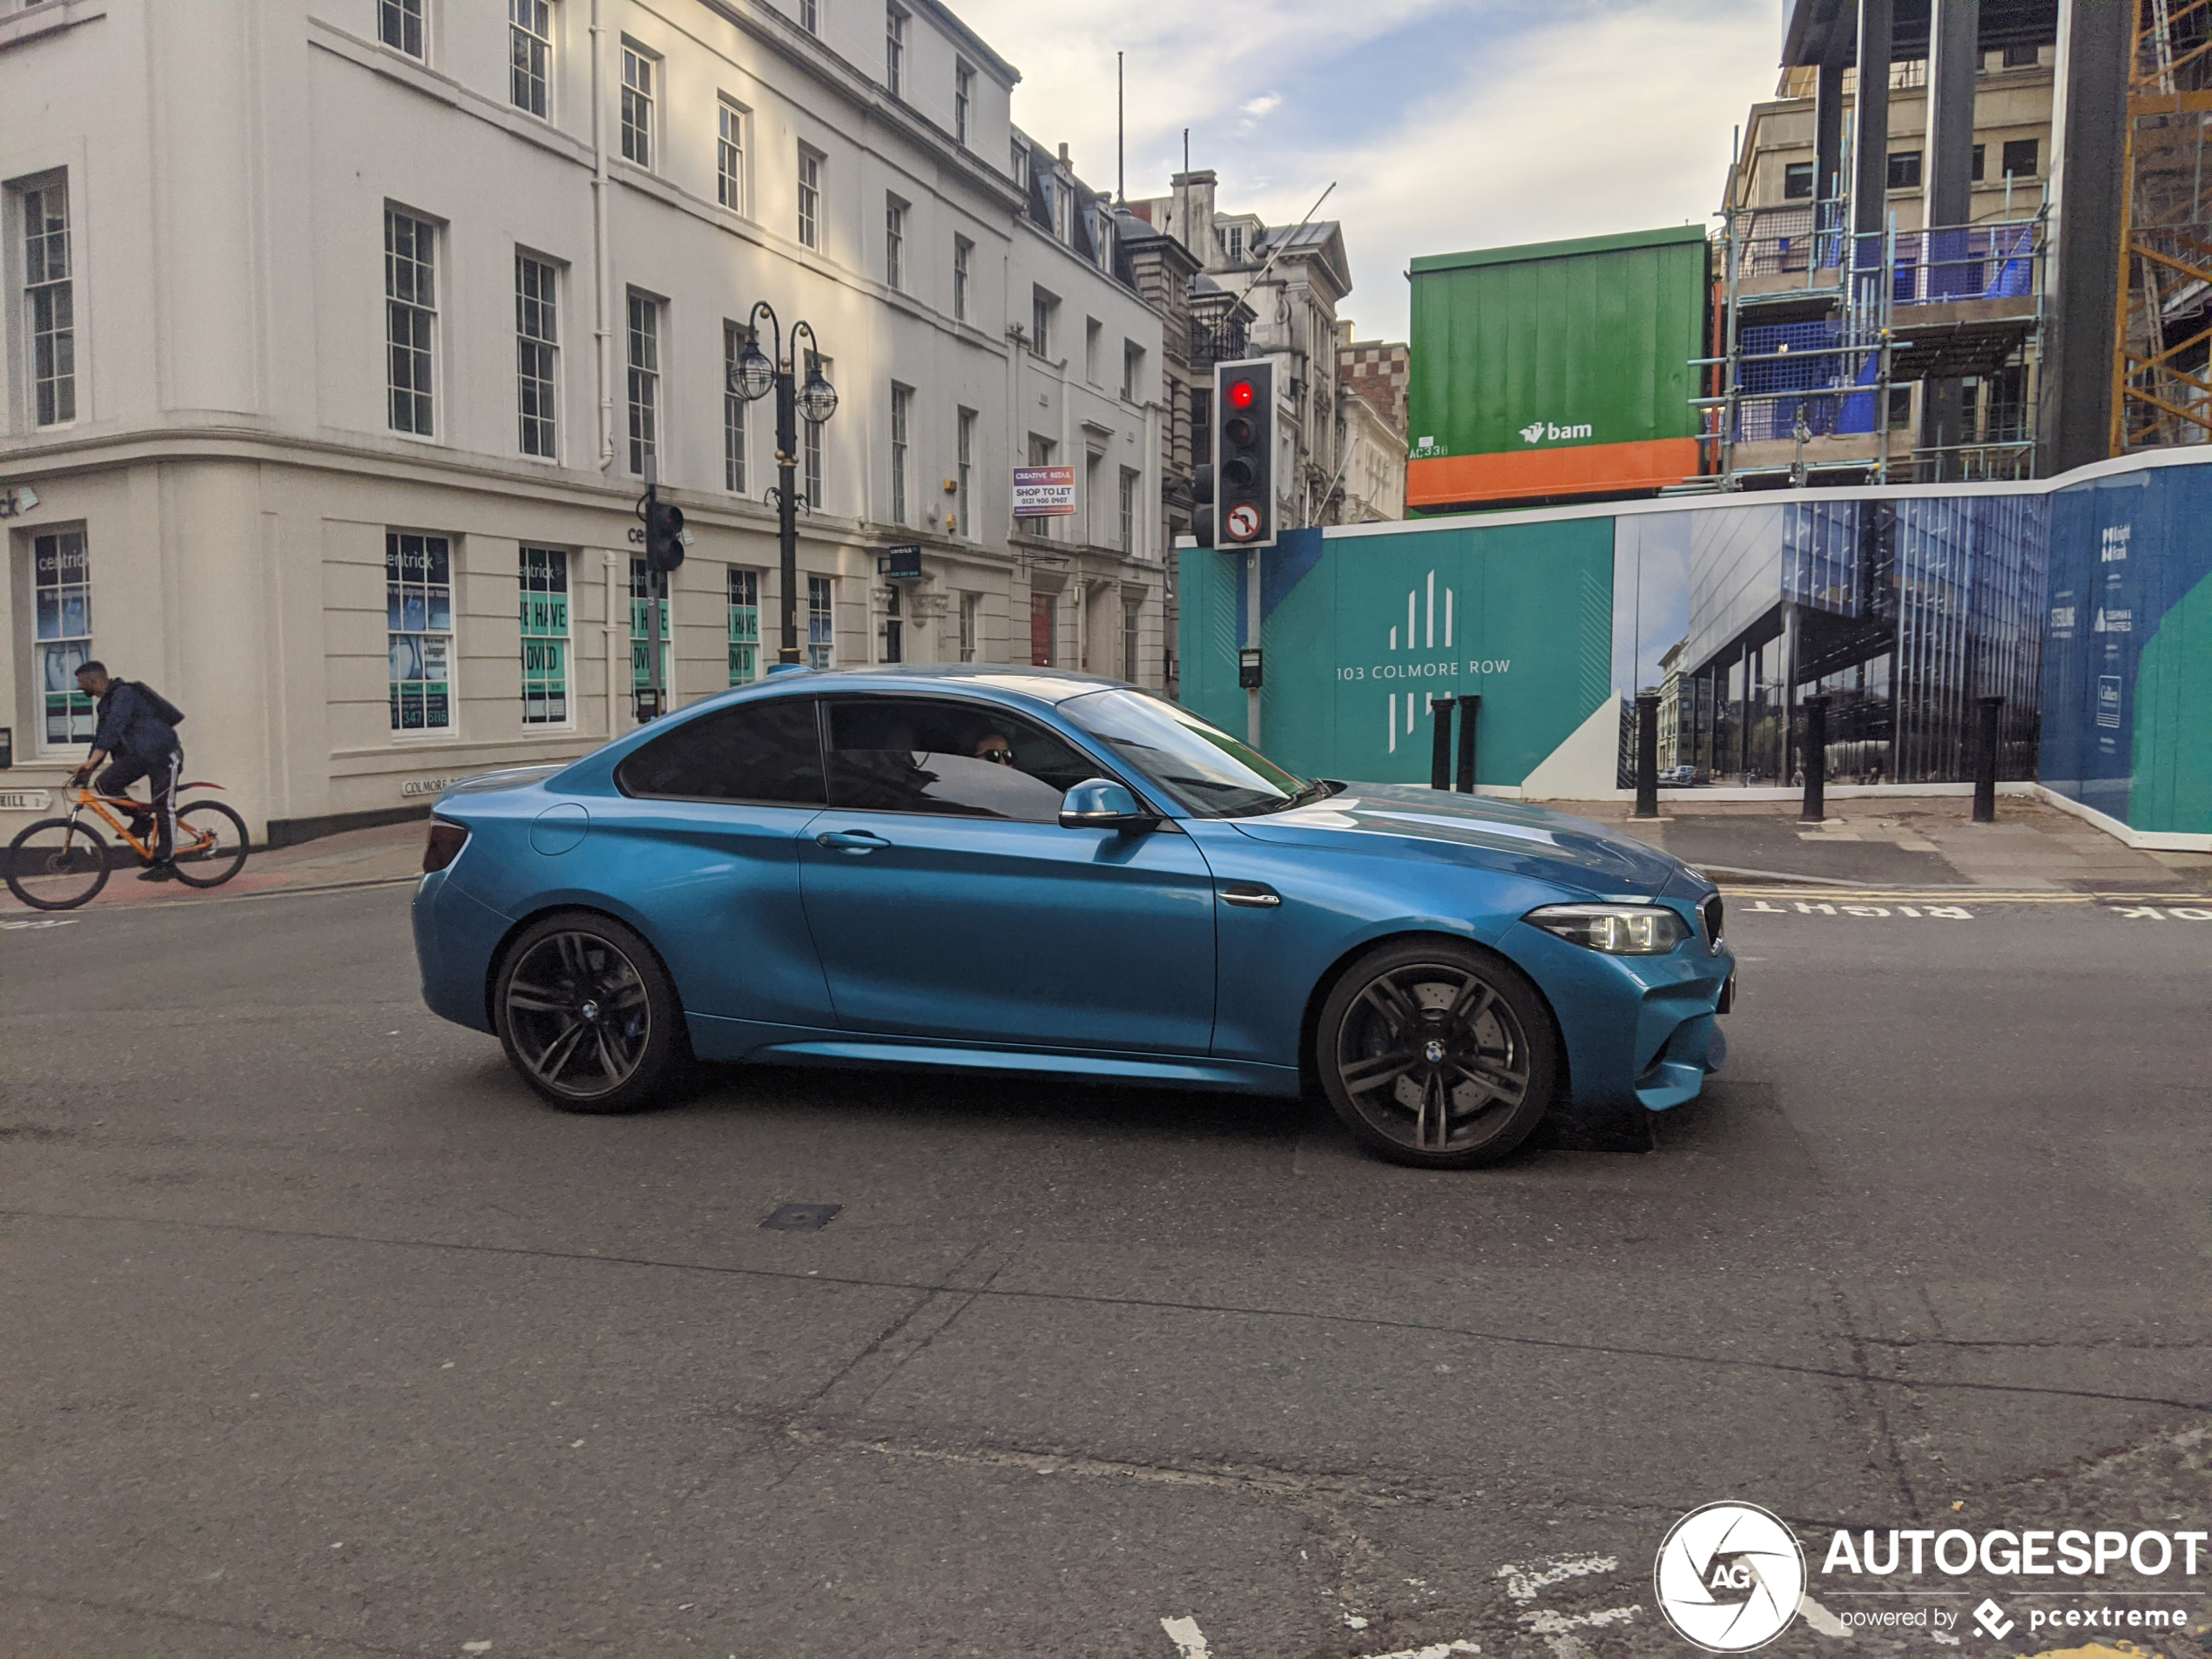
1043 684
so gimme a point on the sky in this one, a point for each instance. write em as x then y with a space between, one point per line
1445 124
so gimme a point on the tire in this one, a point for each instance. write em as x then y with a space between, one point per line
226 860
588 1015
57 865
1436 1054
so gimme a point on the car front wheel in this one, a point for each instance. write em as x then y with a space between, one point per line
1436 1054
587 1015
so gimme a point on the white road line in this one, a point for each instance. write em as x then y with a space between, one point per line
1523 1582
1441 1650
1557 1628
1190 1641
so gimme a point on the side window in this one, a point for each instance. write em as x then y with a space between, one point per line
960 759
757 751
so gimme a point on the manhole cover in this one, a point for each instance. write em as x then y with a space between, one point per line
800 1217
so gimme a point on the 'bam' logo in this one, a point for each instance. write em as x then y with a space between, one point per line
1545 431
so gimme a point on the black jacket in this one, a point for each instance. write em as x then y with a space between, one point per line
138 721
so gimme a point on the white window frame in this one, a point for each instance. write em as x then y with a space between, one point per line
963 101
1132 639
642 357
733 188
394 20
61 638
736 430
896 19
964 469
1132 370
895 241
810 441
810 16
639 105
963 251
902 403
812 163
432 642
1044 305
48 271
529 56
1094 338
821 644
971 618
539 615
537 356
744 594
1132 481
411 298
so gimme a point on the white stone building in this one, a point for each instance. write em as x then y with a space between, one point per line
338 333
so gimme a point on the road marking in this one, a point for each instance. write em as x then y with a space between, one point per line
1523 1582
51 921
1190 1641
2149 913
1441 1650
1557 1628
1872 911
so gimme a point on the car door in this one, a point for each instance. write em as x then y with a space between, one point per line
705 850
947 902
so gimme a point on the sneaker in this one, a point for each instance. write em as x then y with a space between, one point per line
158 873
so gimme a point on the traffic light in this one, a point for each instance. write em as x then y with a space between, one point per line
663 534
1244 454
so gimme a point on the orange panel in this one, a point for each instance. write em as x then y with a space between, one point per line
1585 469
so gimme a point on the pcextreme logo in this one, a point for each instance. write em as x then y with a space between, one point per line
1548 432
1729 1577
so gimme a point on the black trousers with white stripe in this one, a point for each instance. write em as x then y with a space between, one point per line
161 776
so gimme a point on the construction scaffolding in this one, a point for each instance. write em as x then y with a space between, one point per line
1823 334
2163 357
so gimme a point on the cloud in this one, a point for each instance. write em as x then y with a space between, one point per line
1447 124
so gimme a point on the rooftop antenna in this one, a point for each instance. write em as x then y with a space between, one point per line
1121 139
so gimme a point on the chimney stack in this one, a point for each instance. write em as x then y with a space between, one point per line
1193 225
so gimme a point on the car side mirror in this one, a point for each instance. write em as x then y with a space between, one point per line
1099 803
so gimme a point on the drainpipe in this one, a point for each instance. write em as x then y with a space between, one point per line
603 340
618 590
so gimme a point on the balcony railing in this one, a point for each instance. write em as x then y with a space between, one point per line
1219 339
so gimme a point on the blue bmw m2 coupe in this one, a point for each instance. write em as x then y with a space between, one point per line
1022 870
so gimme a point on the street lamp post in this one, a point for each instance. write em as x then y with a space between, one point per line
753 377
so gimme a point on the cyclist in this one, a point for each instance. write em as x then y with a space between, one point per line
137 730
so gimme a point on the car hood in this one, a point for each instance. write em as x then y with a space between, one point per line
1501 834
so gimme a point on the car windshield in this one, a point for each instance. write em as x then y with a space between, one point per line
1200 765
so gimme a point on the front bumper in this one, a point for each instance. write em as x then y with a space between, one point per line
1639 1031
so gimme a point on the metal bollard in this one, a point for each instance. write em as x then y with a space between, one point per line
1647 754
1815 761
1985 763
1470 706
1440 762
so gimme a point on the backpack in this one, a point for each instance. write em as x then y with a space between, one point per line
169 711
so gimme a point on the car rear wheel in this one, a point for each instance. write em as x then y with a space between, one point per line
1437 1054
587 1015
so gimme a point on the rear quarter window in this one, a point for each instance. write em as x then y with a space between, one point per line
767 752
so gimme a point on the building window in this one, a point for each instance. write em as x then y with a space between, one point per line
1044 620
894 239
1975 173
50 304
1129 510
637 107
963 100
538 347
410 317
2023 56
1132 370
644 380
810 16
61 577
963 256
546 636
418 609
964 472
399 25
1200 426
1018 163
894 51
1904 169
641 626
1796 182
1093 332
530 52
810 197
894 626
1233 239
971 609
733 409
744 627
1132 617
1040 304
729 157
2021 155
821 620
901 409
1093 503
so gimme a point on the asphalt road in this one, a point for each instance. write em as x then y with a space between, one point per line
319 1336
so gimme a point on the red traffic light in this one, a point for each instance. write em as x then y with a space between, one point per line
1239 395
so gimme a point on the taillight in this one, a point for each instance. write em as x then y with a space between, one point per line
446 842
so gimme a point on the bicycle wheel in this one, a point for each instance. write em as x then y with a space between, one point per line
57 865
221 854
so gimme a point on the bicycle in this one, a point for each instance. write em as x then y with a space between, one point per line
60 863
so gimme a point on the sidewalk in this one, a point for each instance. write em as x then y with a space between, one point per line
358 858
1925 841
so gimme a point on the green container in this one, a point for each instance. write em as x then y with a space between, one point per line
1521 352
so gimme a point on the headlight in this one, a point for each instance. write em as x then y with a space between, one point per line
1616 929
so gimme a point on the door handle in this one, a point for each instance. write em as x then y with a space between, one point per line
854 842
1252 896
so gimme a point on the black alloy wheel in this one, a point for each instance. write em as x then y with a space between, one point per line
1437 1054
587 1015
